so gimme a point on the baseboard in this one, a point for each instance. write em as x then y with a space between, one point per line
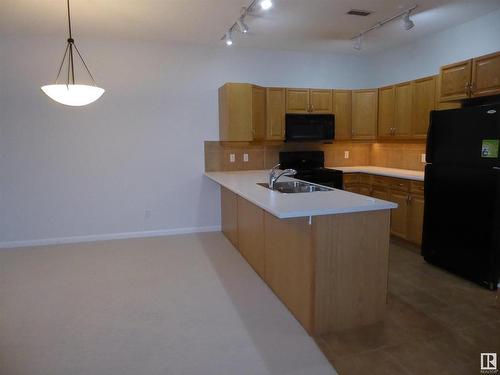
106 237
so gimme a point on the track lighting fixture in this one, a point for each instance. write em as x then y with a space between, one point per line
266 4
240 24
229 40
358 43
406 22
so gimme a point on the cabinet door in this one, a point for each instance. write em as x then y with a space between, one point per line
455 80
486 75
320 101
364 114
342 108
403 109
235 112
380 193
297 101
385 111
276 102
229 215
416 219
365 190
399 216
250 222
424 101
258 113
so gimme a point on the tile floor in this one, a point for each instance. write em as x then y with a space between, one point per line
437 323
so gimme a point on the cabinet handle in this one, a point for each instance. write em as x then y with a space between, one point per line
408 200
472 85
312 108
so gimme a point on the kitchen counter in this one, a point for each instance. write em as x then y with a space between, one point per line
244 184
382 171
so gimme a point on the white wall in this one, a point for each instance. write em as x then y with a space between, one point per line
68 172
425 56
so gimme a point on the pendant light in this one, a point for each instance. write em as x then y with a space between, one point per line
71 93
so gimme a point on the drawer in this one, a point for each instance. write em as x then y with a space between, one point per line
351 178
365 178
417 187
381 181
391 183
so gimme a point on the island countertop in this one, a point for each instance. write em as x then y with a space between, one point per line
284 206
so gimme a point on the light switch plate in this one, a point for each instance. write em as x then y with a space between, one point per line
232 158
422 158
346 154
245 158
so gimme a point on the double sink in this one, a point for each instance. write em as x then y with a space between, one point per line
291 187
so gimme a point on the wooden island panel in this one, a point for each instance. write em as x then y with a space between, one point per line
330 273
352 258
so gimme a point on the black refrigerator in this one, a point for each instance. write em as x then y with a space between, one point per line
461 231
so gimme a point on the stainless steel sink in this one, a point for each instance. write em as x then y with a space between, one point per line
292 187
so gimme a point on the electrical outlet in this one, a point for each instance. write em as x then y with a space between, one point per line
346 154
232 158
147 214
245 158
422 158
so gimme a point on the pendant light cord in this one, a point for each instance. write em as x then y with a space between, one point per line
69 48
69 22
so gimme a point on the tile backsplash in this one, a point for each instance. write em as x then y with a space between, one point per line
265 155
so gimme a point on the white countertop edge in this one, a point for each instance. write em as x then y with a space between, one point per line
406 174
382 205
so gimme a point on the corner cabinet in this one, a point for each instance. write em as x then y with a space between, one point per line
364 114
424 101
242 112
342 108
386 112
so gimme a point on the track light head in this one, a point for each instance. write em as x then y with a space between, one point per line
407 22
229 40
266 4
358 43
242 25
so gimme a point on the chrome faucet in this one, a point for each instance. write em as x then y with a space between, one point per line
274 175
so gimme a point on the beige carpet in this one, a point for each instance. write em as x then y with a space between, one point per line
172 305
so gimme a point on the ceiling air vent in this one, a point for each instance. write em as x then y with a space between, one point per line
358 12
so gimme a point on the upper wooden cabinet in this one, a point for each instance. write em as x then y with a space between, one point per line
242 112
308 101
455 80
403 109
471 78
276 107
364 114
342 108
386 112
486 75
424 101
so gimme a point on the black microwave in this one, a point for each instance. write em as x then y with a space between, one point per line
309 128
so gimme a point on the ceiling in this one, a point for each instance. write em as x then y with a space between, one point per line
302 25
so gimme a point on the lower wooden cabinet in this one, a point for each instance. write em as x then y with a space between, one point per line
399 216
251 246
229 215
415 218
407 219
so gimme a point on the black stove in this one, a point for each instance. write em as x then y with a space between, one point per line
310 167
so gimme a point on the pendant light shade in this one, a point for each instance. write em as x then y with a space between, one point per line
71 93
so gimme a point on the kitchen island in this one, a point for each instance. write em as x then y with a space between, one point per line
324 254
